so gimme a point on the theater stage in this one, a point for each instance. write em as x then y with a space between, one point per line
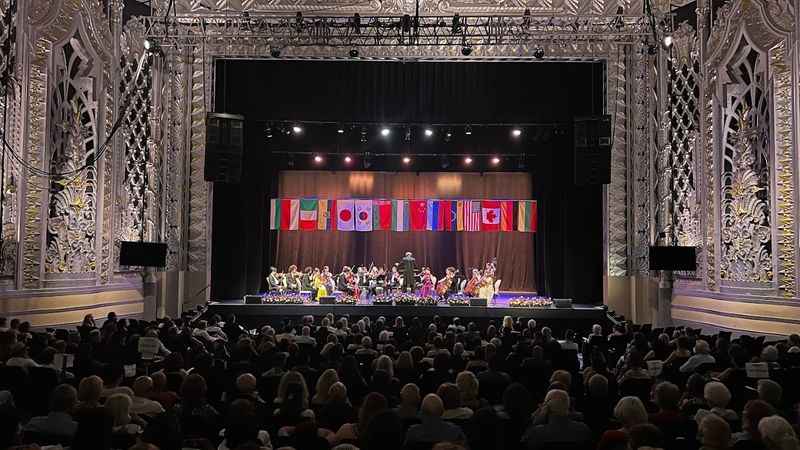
580 316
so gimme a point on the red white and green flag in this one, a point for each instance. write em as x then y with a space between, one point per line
308 214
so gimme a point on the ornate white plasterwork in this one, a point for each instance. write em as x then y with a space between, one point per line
399 7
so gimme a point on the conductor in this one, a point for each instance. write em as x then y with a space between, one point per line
408 272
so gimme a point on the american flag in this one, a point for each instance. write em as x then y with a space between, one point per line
472 216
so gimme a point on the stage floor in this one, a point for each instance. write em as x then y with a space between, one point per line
255 315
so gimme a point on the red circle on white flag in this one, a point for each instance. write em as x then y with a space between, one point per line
345 215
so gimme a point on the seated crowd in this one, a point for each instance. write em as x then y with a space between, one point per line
332 382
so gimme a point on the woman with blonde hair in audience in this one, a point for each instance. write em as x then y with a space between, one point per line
404 368
469 389
338 410
126 426
386 364
324 383
89 390
292 398
777 434
630 411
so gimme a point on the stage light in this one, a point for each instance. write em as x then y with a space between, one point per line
406 160
495 160
297 129
666 41
354 53
516 132
468 160
318 159
428 132
538 53
275 52
385 132
268 131
340 130
448 136
363 137
468 130
466 50
348 159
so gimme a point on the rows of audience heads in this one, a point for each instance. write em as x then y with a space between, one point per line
340 382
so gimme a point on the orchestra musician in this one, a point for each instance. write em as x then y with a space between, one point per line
347 282
486 285
274 280
292 279
393 278
447 285
473 284
307 279
426 289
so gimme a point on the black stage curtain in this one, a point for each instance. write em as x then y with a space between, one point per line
438 250
568 256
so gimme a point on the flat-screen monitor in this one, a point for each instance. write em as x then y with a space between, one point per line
673 258
143 254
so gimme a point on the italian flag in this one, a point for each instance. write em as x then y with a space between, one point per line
526 216
308 214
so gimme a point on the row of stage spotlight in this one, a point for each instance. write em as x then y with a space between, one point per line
385 131
407 161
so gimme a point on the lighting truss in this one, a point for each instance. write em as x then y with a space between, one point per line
375 31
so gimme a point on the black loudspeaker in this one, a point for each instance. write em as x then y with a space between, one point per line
224 147
143 254
673 258
592 150
253 300
565 303
327 300
475 301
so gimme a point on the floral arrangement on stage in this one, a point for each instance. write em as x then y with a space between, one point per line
458 300
346 299
404 299
530 302
385 299
427 301
284 298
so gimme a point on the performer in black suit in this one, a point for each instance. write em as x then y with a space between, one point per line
346 281
274 280
408 272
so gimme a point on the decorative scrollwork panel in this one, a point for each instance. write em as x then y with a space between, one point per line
10 172
73 143
745 197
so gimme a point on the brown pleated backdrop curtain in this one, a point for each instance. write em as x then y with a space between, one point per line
437 249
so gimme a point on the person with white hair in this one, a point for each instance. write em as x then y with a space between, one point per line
717 397
702 355
777 434
715 432
305 337
559 428
629 412
432 428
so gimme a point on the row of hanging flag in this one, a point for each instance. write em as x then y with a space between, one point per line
311 214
